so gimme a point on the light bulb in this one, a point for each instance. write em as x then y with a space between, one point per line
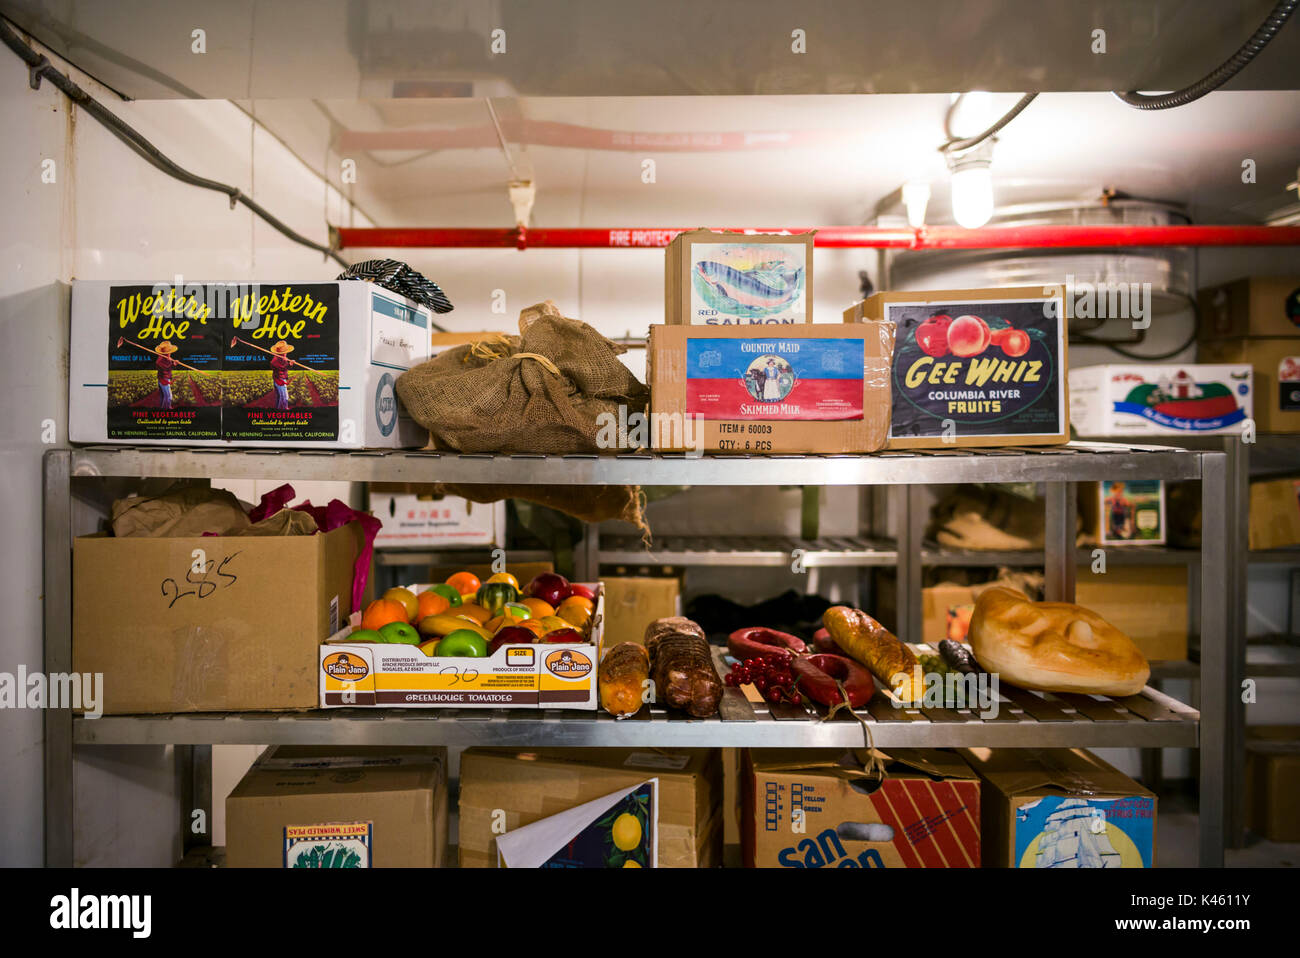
916 196
972 195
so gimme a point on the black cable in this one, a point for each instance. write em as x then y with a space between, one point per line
1086 340
1226 71
39 68
958 145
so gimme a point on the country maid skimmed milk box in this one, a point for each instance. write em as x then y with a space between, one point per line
251 364
1160 399
738 279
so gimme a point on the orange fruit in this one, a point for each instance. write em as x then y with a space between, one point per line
538 608
464 582
475 612
578 600
381 612
578 613
504 577
406 599
430 603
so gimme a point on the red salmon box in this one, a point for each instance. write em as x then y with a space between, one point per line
817 808
975 367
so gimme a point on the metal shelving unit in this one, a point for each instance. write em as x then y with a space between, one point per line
1028 719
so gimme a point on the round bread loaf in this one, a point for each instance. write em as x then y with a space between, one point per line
1053 646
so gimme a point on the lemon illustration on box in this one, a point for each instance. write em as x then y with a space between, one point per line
747 283
618 830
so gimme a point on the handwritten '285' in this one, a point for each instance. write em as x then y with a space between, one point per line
203 586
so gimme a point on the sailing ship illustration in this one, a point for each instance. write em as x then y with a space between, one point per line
1074 836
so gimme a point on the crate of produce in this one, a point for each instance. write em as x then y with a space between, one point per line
468 643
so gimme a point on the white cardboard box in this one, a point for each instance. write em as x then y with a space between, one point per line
349 341
445 521
1126 399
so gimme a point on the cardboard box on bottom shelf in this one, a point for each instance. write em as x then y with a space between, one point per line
310 365
1275 513
532 784
738 279
548 675
789 389
1276 383
1254 306
926 813
1273 781
1061 808
975 367
1144 399
242 635
334 807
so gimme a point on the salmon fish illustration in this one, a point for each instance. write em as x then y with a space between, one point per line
756 292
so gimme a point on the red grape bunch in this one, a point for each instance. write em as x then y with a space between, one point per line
770 674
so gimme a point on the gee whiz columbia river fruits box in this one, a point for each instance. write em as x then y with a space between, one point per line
209 364
975 367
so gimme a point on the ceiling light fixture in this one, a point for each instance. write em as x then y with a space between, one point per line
972 186
916 197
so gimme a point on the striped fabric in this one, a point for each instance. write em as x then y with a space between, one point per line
401 279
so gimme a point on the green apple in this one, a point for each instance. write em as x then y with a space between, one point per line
447 592
399 633
365 635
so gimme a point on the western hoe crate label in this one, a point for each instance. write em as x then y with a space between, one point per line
989 368
776 379
164 364
280 374
333 845
745 283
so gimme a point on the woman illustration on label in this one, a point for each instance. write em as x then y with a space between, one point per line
280 373
771 381
1119 513
165 365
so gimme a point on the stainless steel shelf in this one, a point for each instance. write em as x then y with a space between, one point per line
461 554
747 551
1076 462
1116 555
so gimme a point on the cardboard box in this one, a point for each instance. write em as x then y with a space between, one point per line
959 383
1276 383
1273 781
529 785
1124 512
1061 808
385 675
1143 399
1275 514
439 521
441 342
632 603
241 635
805 808
1147 603
1255 306
354 338
797 389
738 279
366 807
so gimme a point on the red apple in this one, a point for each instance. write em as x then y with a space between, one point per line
565 637
576 588
550 587
968 336
511 635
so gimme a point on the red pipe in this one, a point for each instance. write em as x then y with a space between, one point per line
838 237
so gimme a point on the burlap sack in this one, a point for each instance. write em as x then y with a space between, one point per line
542 393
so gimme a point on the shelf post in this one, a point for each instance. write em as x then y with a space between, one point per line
1236 502
1220 686
910 544
57 658
1061 528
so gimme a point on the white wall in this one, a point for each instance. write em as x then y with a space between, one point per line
109 215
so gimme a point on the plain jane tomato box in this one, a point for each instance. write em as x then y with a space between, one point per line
542 675
975 367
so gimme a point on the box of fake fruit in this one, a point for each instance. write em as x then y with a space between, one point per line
975 367
468 643
826 809
1145 399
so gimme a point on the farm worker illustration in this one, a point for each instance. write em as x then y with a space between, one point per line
1119 512
771 381
165 365
280 373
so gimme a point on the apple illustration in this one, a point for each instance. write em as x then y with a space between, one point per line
400 633
576 588
550 587
968 336
511 635
932 336
366 635
565 636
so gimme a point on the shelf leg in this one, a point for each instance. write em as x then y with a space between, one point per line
57 494
194 772
1236 502
910 543
1058 543
1219 685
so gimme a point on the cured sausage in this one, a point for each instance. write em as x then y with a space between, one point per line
681 666
818 675
756 641
623 674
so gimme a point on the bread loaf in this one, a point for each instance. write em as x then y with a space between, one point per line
865 639
681 665
1053 646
